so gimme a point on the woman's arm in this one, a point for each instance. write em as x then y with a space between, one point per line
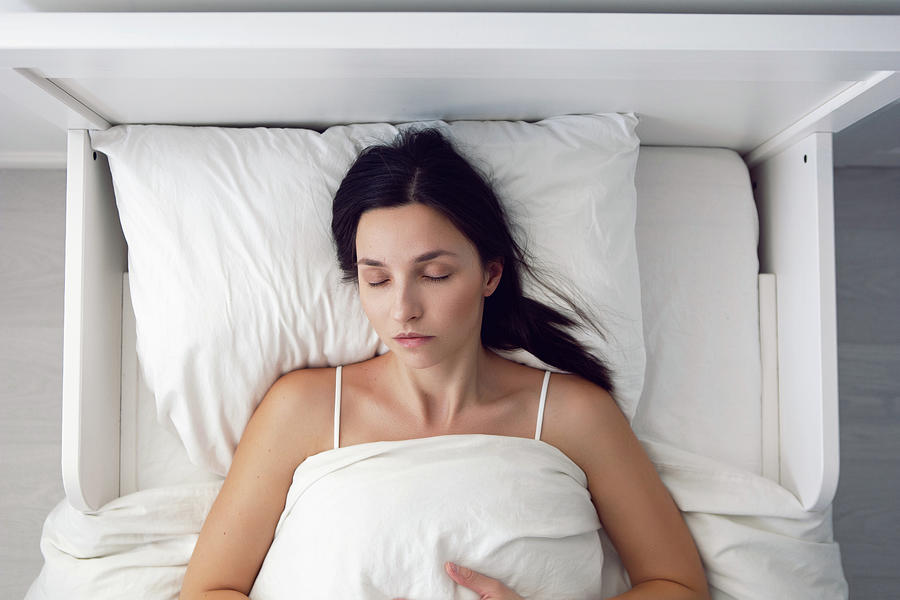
638 513
661 589
223 595
240 526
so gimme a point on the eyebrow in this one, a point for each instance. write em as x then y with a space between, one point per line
419 259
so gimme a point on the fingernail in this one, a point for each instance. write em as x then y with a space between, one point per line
453 568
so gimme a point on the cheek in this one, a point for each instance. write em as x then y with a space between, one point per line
462 302
365 301
374 305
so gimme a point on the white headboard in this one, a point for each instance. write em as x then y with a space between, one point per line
753 83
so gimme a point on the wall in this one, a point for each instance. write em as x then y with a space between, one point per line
32 250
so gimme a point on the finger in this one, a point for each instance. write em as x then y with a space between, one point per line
474 580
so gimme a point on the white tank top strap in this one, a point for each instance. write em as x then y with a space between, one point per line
540 418
337 405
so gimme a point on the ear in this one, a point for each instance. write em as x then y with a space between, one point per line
492 273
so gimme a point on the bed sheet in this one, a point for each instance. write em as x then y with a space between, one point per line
697 232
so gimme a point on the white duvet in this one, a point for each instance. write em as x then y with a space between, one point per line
377 520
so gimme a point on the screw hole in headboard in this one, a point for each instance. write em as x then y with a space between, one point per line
95 156
804 158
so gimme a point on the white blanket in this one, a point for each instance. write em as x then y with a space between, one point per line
378 520
754 538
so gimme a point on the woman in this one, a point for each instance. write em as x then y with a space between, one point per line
425 239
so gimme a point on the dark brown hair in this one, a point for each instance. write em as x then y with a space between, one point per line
423 166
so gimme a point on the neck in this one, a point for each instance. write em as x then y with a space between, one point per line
438 396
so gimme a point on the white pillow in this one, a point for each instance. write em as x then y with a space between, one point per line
234 279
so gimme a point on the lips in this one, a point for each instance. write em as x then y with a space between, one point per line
412 340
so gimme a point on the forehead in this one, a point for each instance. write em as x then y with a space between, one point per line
401 232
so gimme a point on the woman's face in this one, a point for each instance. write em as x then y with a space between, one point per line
418 273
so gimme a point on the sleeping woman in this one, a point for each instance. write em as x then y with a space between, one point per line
424 239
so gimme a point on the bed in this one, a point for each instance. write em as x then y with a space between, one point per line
736 112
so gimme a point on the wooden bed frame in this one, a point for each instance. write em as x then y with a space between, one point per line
772 87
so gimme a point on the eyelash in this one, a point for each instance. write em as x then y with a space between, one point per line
433 279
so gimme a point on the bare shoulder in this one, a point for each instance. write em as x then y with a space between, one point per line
580 417
575 398
302 402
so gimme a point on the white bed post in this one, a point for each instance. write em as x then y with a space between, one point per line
794 197
96 257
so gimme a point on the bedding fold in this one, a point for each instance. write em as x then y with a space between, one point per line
378 520
754 538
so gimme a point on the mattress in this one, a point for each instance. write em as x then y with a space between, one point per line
697 232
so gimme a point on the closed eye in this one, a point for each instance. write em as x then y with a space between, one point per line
433 279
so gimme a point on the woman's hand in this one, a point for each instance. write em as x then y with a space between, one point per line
486 587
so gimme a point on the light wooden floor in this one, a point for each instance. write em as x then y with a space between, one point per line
867 236
32 250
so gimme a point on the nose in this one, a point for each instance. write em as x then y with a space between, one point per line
406 304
